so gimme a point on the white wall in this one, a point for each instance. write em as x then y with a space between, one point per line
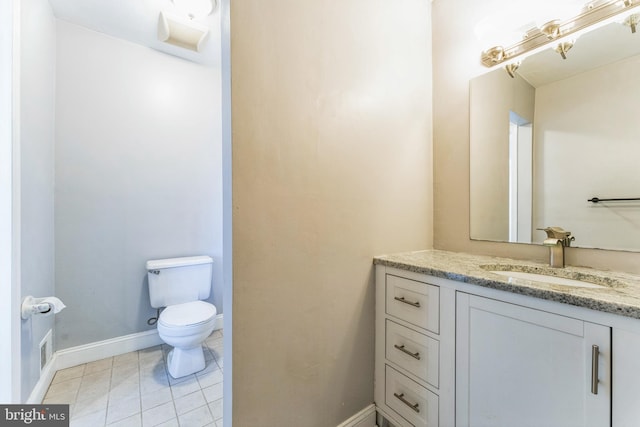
588 142
331 104
37 99
138 177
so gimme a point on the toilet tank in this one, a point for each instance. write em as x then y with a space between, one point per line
179 280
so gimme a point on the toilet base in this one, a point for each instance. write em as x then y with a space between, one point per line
182 362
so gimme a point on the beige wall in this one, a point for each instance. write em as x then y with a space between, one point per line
456 60
331 118
494 95
596 140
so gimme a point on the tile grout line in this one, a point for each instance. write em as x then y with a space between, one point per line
114 365
106 412
165 357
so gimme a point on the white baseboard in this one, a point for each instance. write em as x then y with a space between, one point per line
95 351
46 376
364 418
112 347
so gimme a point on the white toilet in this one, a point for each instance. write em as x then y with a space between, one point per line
179 284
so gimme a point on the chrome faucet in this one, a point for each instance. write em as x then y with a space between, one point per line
557 239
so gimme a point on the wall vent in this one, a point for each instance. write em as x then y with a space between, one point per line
45 350
181 32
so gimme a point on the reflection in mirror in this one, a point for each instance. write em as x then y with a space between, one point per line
557 134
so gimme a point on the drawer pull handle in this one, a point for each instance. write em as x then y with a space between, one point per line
415 355
595 355
414 304
401 398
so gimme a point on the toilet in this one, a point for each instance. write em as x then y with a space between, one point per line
180 285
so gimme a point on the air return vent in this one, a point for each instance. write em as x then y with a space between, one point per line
45 350
181 32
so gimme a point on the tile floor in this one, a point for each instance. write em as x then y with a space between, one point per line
135 389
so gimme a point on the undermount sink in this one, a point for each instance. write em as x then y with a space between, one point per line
551 280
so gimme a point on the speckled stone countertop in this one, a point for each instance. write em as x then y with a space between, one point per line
620 295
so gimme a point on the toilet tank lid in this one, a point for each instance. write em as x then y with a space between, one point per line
159 264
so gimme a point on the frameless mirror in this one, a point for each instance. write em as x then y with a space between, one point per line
558 134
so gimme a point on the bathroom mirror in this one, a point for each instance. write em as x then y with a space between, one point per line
559 133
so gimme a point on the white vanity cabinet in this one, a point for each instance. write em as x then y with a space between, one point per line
453 354
414 381
516 366
626 377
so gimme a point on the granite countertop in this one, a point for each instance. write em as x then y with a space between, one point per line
620 295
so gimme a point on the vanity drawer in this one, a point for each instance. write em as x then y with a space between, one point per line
415 302
410 400
413 351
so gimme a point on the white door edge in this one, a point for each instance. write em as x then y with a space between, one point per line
9 203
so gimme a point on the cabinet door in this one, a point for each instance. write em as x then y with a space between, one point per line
626 379
516 366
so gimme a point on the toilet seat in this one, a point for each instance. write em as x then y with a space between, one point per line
186 315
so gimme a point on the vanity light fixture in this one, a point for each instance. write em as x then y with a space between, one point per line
495 55
511 69
632 21
551 29
561 34
563 48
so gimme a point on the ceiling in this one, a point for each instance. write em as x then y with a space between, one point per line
137 22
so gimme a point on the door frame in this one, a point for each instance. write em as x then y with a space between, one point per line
10 202
227 213
10 250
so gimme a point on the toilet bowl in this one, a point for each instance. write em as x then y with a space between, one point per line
181 285
184 327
